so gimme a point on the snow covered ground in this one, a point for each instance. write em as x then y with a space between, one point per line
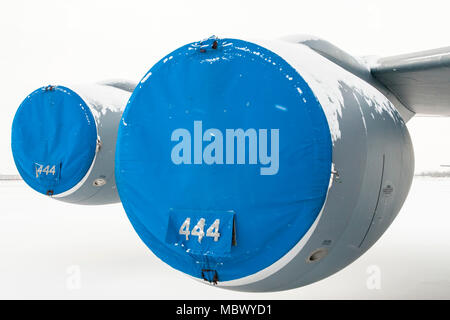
50 249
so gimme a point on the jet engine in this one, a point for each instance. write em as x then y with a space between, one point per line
253 165
63 140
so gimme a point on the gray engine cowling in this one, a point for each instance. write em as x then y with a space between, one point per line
373 167
64 139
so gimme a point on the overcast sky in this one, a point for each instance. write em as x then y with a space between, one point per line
44 42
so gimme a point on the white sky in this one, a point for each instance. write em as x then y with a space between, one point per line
45 41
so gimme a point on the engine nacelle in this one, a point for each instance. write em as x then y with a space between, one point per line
63 140
260 166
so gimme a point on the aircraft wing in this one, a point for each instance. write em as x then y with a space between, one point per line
10 177
120 84
416 83
421 81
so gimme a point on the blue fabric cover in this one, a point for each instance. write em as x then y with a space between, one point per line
229 84
53 139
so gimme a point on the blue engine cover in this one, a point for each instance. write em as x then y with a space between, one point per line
53 139
223 159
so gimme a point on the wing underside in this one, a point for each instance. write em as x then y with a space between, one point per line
416 83
421 81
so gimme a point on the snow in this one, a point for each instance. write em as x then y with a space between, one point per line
102 98
46 251
326 80
146 77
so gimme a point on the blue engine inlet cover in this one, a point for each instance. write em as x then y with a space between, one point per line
53 139
223 158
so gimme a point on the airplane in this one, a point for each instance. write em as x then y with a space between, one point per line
251 165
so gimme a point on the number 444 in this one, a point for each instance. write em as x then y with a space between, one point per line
47 170
198 230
